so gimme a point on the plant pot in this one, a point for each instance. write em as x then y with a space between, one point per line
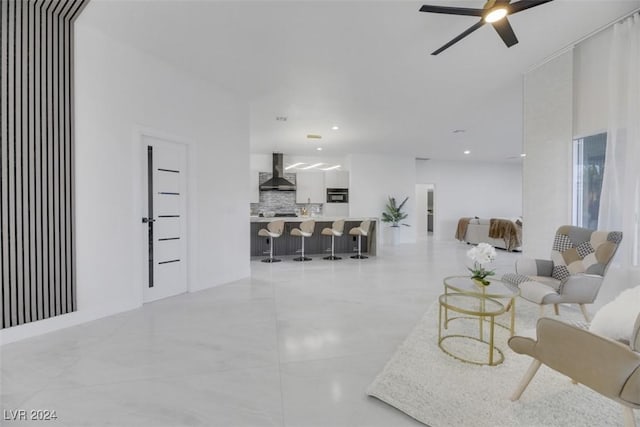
481 283
393 235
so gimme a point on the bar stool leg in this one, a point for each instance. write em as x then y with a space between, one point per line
271 258
359 256
302 257
333 256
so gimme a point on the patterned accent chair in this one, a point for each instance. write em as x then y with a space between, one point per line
579 260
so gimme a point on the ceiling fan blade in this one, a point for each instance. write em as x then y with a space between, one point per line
504 30
468 31
521 5
452 10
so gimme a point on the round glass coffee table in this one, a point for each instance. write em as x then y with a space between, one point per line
497 289
471 301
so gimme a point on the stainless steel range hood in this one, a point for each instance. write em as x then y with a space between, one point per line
277 181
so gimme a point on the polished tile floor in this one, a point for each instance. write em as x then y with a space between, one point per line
294 345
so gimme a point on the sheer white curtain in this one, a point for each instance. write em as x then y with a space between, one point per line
620 199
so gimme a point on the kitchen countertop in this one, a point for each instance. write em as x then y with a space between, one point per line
305 218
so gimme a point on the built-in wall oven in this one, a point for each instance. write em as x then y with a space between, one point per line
337 195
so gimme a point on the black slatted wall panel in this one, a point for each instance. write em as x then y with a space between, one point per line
36 159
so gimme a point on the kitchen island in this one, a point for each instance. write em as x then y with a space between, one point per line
316 244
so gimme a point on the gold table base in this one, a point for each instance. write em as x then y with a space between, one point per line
453 283
494 309
493 362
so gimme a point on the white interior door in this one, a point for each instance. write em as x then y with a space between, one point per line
165 189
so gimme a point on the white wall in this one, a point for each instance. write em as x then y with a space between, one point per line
467 189
591 85
547 173
119 90
373 178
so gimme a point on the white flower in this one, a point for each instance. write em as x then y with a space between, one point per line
482 254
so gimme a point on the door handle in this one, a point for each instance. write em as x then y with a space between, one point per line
148 220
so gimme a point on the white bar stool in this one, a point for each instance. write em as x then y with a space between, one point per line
305 230
362 230
273 231
336 230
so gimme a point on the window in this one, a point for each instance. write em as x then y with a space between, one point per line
588 168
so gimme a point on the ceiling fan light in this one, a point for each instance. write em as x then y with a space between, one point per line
495 15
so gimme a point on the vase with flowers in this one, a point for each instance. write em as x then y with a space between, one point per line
482 254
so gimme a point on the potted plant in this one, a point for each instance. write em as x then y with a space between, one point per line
393 212
482 254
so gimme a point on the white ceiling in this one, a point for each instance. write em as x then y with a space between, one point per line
362 65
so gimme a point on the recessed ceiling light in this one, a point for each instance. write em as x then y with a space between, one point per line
467 152
334 128
319 148
293 166
331 168
314 136
315 165
523 155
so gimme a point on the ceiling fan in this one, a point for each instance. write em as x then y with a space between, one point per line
494 12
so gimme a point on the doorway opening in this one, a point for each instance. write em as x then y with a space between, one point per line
425 210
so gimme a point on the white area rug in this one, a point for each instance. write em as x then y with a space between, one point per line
438 390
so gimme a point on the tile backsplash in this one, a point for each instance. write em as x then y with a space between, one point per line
281 201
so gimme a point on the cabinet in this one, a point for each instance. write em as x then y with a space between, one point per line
316 244
254 186
310 187
336 179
